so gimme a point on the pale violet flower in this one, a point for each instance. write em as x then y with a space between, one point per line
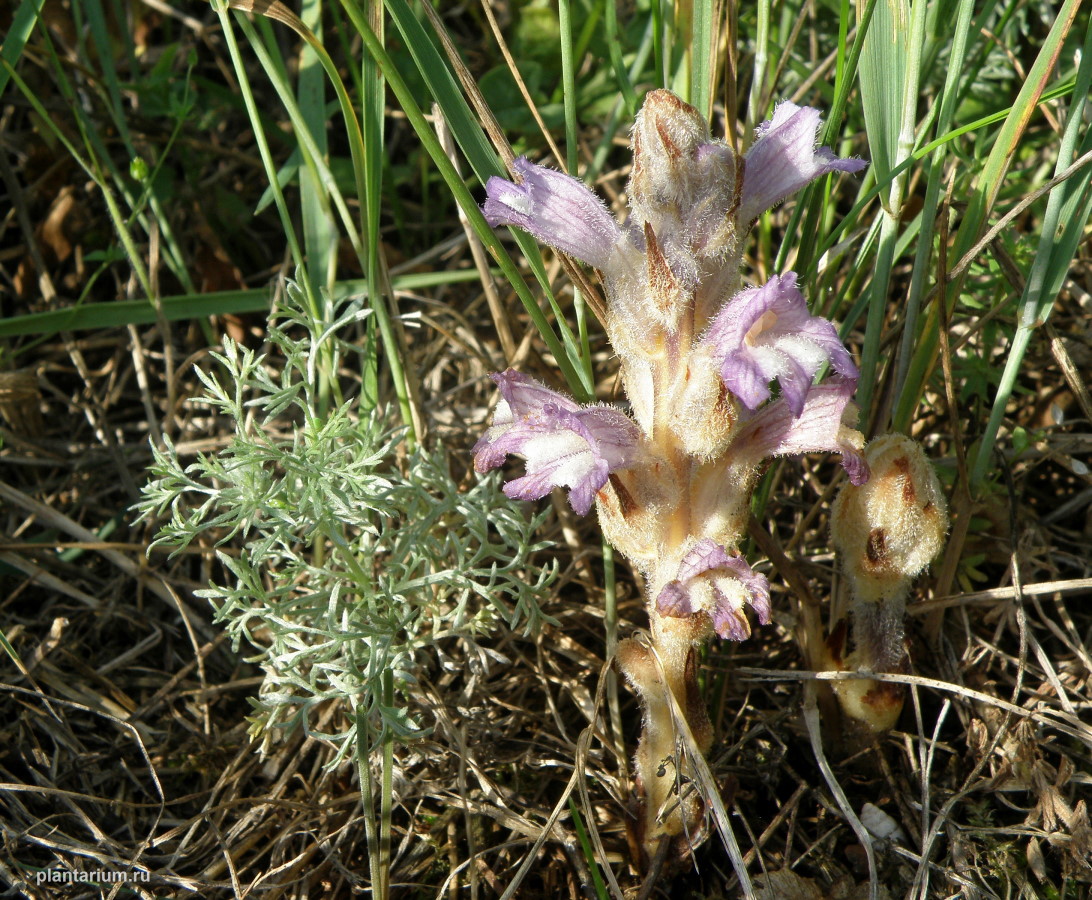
783 159
712 581
765 334
557 209
824 424
565 444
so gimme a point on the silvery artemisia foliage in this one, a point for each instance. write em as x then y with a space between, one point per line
356 559
719 377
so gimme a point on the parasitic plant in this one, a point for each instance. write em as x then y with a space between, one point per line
886 533
720 377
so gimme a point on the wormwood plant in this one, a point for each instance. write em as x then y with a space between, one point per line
349 556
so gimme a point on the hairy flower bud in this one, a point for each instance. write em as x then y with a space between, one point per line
888 530
685 185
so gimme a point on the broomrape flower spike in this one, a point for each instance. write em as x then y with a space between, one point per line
701 358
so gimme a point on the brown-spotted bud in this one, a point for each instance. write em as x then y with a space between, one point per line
889 529
684 184
886 531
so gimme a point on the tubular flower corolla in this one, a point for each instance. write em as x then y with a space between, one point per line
565 444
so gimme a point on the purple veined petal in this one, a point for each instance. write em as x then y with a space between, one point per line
712 581
523 401
705 555
783 159
756 584
523 395
557 209
776 430
583 477
765 334
729 620
673 600
565 444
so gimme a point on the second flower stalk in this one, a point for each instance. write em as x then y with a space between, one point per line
719 379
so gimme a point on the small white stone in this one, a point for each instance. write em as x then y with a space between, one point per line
881 825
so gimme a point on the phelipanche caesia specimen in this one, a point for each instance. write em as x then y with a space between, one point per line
719 378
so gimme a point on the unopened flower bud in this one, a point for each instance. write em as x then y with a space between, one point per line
889 529
685 185
886 532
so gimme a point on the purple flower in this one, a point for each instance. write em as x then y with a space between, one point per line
767 333
783 159
823 424
557 209
712 581
565 444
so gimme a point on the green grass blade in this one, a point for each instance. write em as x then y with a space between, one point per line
703 60
319 230
315 159
221 7
889 72
882 72
573 374
755 114
568 80
811 207
18 34
934 170
1067 212
485 163
185 307
93 170
614 49
981 202
373 119
662 56
600 886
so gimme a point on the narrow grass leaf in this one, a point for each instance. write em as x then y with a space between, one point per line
319 230
573 374
1067 212
703 57
888 72
22 25
980 204
934 170
586 848
187 307
614 49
